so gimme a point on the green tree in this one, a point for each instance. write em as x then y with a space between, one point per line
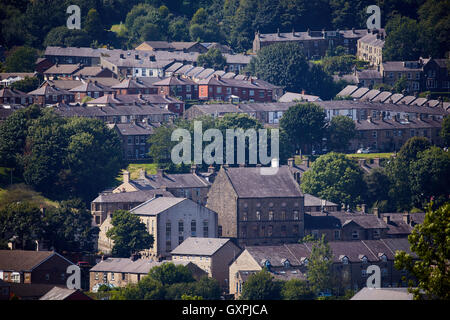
26 85
93 25
402 43
21 59
401 85
430 177
69 227
378 186
22 220
304 125
430 243
340 131
169 273
62 36
319 273
212 59
13 135
335 178
129 234
398 172
261 286
296 289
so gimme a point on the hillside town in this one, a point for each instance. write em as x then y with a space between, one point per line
358 125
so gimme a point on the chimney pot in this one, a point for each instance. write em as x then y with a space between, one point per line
126 176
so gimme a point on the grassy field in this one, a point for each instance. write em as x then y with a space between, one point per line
370 155
22 192
134 168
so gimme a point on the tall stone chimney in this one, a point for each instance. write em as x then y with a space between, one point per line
126 176
376 212
291 162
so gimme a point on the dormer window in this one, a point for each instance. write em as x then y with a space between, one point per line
364 259
286 263
344 260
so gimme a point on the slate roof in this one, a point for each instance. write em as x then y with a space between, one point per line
174 67
373 40
133 196
72 51
369 74
359 93
142 62
90 86
126 265
250 183
49 90
370 95
176 180
291 96
61 293
90 71
383 294
158 45
200 246
131 110
157 205
63 69
174 81
23 260
65 84
131 83
347 91
366 221
382 97
8 92
397 226
393 66
312 35
311 200
319 221
133 129
394 125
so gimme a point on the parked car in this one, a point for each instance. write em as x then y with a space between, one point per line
363 150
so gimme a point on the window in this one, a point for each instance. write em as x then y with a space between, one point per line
296 229
96 276
188 88
251 93
296 216
283 231
123 276
374 134
261 93
244 232
344 260
337 234
112 276
180 226
193 228
258 215
180 239
244 216
168 229
270 231
168 245
270 215
219 89
283 215
355 235
205 229
15 277
363 273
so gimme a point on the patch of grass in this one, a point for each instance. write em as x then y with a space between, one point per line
22 192
370 155
134 169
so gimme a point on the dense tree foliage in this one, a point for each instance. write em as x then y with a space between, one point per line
445 131
430 242
340 131
129 234
60 157
212 59
170 282
229 21
335 178
21 59
64 226
304 125
261 286
26 85
319 272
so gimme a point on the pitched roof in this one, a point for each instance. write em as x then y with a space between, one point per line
291 96
63 69
394 125
61 293
176 180
383 294
311 200
22 260
126 265
174 81
90 86
157 205
132 129
133 196
250 183
200 246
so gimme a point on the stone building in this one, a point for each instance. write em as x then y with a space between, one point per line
172 220
350 262
213 255
119 272
257 209
370 47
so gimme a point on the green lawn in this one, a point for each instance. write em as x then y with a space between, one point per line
370 155
134 168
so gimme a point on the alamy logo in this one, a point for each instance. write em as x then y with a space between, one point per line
374 280
74 280
74 20
374 21
213 153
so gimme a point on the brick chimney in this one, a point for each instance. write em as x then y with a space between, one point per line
291 162
160 172
376 212
142 174
387 219
194 168
364 208
407 218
